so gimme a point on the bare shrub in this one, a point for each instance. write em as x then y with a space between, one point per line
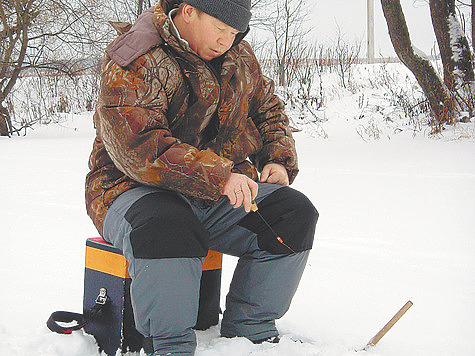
402 106
370 131
44 99
345 56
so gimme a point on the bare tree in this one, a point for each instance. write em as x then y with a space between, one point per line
285 23
45 37
462 4
455 54
130 9
453 45
16 17
448 97
473 25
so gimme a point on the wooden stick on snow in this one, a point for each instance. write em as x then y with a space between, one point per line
388 326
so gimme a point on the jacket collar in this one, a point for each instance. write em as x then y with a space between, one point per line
137 41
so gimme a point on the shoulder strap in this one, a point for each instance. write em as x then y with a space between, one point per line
81 320
65 317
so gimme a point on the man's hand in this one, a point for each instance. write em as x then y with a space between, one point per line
240 190
274 173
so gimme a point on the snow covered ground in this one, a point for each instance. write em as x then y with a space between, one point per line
397 223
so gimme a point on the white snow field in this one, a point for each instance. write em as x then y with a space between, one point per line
397 223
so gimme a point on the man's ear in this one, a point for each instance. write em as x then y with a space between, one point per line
188 13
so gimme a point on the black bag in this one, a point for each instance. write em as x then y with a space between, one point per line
107 309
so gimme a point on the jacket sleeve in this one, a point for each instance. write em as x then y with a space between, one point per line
132 124
273 124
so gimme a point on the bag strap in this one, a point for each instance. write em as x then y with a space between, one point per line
65 317
82 319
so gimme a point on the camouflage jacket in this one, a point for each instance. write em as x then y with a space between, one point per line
169 119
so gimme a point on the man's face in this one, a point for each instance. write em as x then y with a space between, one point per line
208 36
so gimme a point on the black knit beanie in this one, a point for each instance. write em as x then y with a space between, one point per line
235 13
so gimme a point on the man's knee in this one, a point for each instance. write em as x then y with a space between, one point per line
291 215
164 226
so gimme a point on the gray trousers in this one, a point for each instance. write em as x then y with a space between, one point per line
165 291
